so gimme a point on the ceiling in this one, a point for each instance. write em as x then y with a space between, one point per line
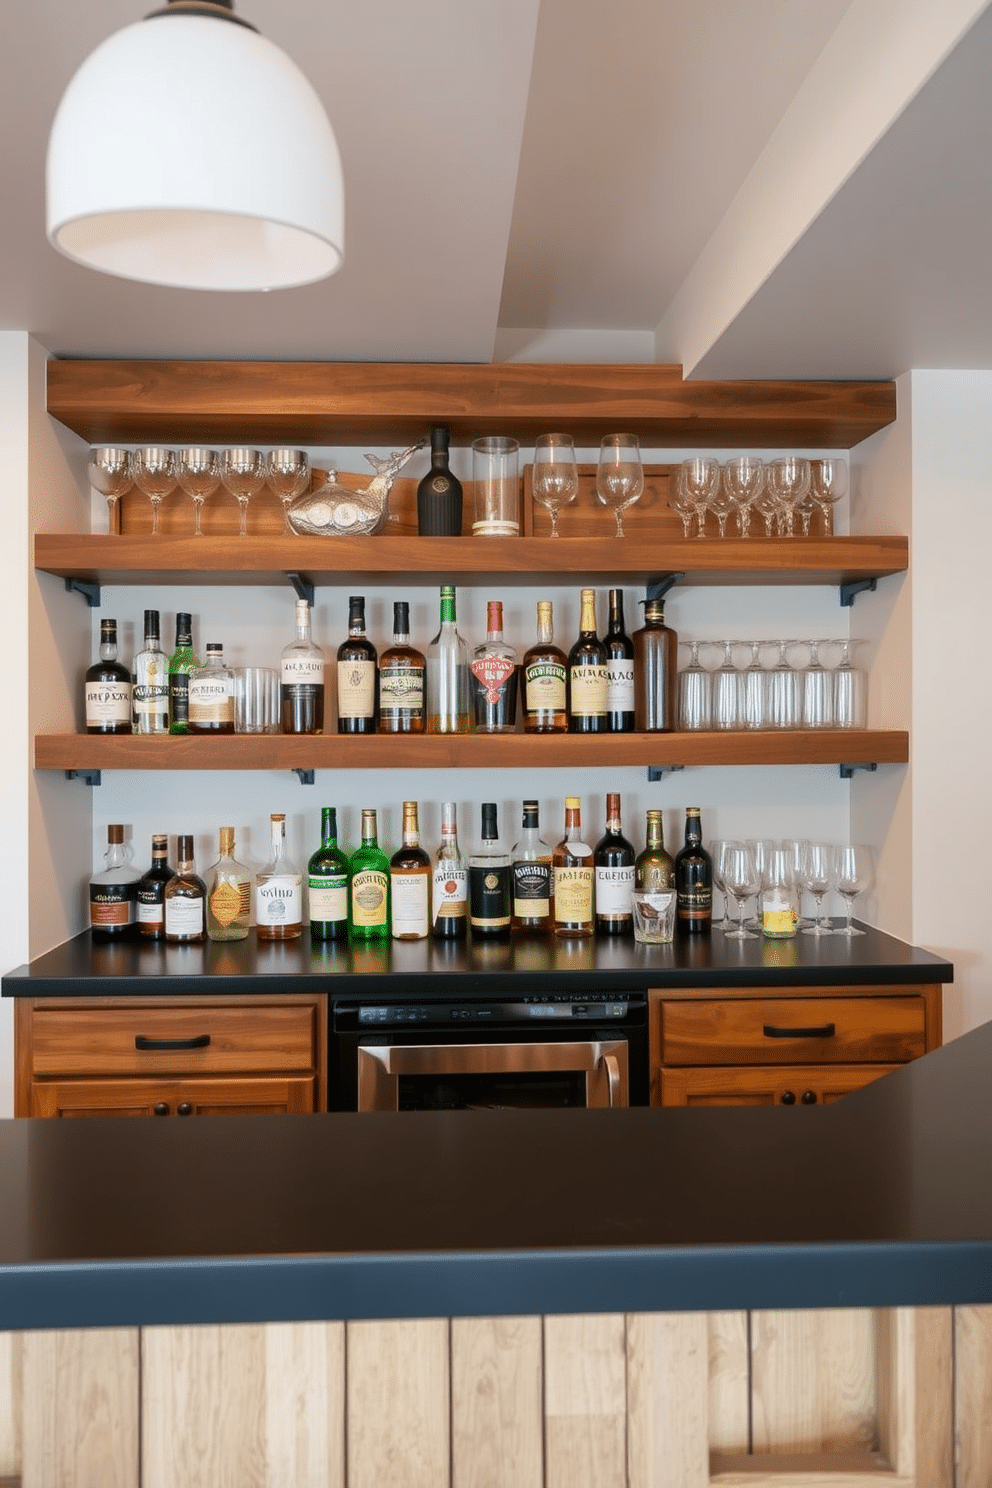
776 188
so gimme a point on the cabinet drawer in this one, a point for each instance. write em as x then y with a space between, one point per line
261 1095
202 1040
757 1085
801 1030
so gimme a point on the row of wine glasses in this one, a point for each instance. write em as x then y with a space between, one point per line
619 475
197 471
782 491
776 689
758 868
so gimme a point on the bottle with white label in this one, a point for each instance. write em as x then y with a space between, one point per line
573 880
368 885
410 881
279 890
613 861
357 659
210 695
587 674
108 688
302 680
150 696
185 899
450 886
327 882
112 890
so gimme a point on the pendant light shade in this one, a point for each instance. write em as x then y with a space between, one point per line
189 151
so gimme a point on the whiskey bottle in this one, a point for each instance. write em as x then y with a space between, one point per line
150 705
302 680
211 695
613 860
489 881
327 882
402 670
112 890
494 678
655 671
356 674
108 688
410 882
181 663
439 494
545 679
654 870
530 871
693 879
619 670
278 890
450 896
185 899
587 674
368 886
149 892
572 861
228 893
448 674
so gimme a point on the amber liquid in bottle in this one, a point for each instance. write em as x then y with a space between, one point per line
402 674
357 659
410 881
545 679
573 876
613 859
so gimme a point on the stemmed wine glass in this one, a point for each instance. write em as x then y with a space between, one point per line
850 689
717 852
740 877
556 475
699 477
754 679
744 478
695 692
679 501
828 484
287 473
728 690
154 472
818 691
852 876
243 473
720 505
619 474
198 474
815 873
788 480
785 690
110 474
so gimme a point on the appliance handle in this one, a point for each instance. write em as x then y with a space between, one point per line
826 1030
612 1067
199 1041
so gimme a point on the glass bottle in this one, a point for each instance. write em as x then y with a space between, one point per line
494 678
613 861
211 695
447 674
655 671
150 698
587 674
368 886
450 897
185 899
327 882
279 890
107 692
693 879
489 881
573 876
530 869
410 882
439 494
402 670
182 662
149 891
302 680
357 659
654 870
545 679
228 893
619 670
112 890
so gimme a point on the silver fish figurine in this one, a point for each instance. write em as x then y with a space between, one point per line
334 511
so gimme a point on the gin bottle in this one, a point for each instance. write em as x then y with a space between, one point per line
279 890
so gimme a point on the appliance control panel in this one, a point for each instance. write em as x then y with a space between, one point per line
557 1007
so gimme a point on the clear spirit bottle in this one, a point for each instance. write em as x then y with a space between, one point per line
302 679
211 695
228 893
448 674
278 890
494 678
450 880
150 702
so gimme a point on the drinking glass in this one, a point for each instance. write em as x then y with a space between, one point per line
243 473
766 505
679 501
619 474
287 475
785 699
762 849
788 480
717 852
198 474
815 875
818 691
110 474
700 477
794 848
853 875
850 689
755 711
695 693
556 475
728 691
744 478
779 895
720 505
740 876
828 484
153 470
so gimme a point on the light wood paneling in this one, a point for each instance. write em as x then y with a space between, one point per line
813 1380
729 1382
497 1436
10 1404
304 1405
668 1359
585 1401
398 1416
80 1409
973 1396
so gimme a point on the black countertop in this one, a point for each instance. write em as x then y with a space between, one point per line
884 1198
82 967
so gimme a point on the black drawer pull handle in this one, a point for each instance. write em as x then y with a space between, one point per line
199 1042
826 1030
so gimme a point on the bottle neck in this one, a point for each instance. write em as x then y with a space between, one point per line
573 824
616 612
655 833
108 650
411 828
278 840
693 831
329 827
356 621
587 624
447 609
545 628
370 835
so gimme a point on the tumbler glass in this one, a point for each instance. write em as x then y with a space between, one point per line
496 486
256 700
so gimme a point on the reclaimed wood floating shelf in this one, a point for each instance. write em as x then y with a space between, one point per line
108 559
330 403
465 751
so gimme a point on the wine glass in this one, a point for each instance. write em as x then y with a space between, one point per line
287 474
699 476
828 484
619 475
198 474
785 702
762 849
110 474
717 852
788 479
728 690
243 473
853 875
695 693
720 505
818 691
755 700
154 472
740 877
744 478
815 875
679 501
794 847
556 475
850 689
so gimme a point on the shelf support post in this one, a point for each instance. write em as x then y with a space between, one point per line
856 586
89 591
304 588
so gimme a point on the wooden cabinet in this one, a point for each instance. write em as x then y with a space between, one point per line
785 1046
171 1056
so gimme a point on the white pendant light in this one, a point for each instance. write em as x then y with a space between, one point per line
189 151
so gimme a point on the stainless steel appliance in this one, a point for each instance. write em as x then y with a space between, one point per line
519 1050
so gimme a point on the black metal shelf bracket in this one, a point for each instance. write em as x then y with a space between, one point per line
658 772
847 770
304 588
658 587
89 591
305 776
856 586
88 777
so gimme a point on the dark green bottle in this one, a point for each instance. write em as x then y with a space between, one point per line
327 883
